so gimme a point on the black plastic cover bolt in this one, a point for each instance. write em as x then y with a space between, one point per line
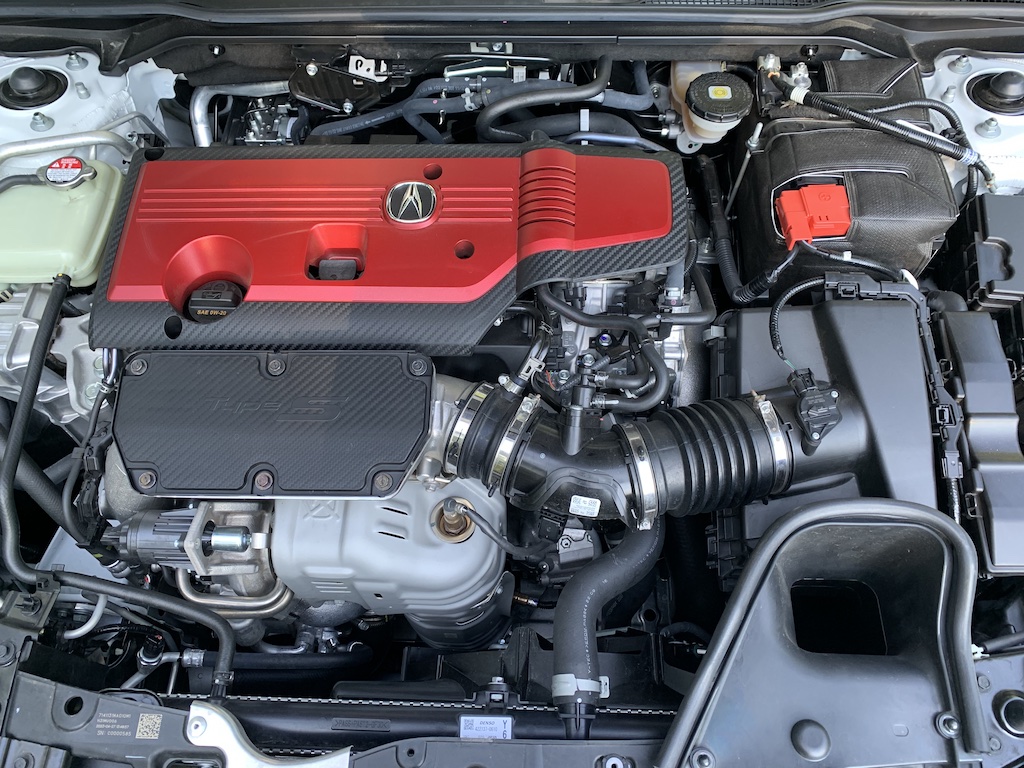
810 740
263 480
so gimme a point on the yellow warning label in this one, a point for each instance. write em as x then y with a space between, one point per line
720 92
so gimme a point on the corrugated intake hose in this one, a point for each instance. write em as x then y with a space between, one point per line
576 682
703 457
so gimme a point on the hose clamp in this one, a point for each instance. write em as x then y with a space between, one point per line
513 432
457 438
646 482
782 458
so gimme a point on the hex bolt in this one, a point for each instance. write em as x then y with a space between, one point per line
138 366
23 761
418 366
75 62
275 366
147 480
588 359
949 95
40 122
382 481
702 758
834 394
947 725
348 107
263 480
815 435
961 65
563 376
989 129
82 91
984 683
497 47
8 653
312 69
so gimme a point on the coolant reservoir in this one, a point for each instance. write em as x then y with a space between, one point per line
59 226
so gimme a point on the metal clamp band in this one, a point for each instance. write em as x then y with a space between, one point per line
782 458
524 413
646 481
453 446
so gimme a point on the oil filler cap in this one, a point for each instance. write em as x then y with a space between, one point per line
67 172
214 301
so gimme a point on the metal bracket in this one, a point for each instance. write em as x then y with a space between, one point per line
214 727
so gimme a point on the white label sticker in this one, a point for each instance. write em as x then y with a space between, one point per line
473 727
584 506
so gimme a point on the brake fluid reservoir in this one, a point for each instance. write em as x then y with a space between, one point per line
60 225
711 103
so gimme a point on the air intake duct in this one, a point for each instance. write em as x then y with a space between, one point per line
707 456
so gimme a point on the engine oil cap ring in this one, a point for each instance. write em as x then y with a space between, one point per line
67 172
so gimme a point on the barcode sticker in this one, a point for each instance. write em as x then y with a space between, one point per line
475 727
584 506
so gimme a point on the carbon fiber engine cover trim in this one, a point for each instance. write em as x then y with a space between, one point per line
272 424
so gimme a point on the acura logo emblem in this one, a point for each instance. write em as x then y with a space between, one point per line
411 202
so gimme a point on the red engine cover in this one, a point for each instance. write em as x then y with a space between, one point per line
434 243
264 223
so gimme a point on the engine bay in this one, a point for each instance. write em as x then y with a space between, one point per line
393 403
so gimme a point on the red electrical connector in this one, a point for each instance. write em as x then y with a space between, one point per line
817 210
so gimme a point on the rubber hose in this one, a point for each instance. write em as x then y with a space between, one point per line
359 656
33 481
662 377
705 316
638 102
575 622
490 115
637 142
381 116
11 545
630 380
21 180
564 125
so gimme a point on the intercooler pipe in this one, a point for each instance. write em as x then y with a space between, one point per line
199 106
700 458
576 682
